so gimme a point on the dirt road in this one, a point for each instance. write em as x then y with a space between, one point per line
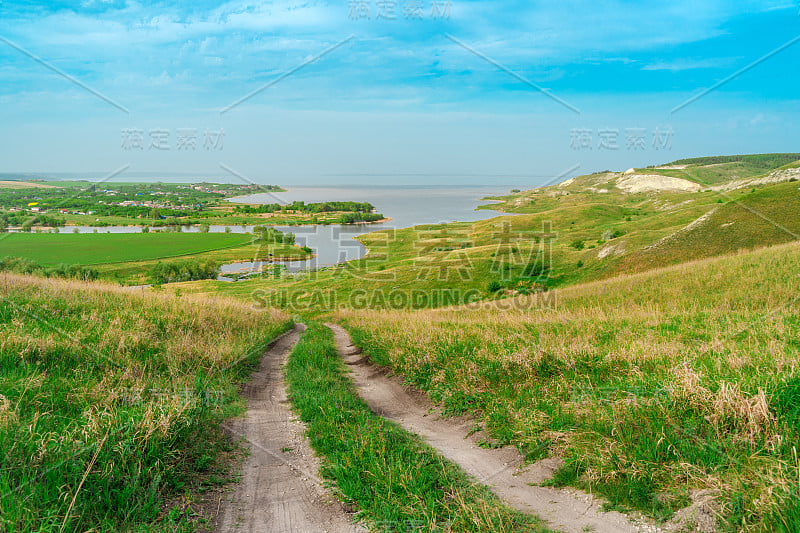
279 491
500 468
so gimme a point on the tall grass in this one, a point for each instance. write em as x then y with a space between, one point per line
397 482
648 385
109 399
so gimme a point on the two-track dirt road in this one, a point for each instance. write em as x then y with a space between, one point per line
498 468
279 491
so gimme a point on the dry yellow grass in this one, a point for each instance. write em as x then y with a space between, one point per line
149 375
10 184
673 376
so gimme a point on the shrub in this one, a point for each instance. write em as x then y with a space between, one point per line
351 218
271 235
536 269
187 270
26 266
494 286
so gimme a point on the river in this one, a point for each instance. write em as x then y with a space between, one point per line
406 206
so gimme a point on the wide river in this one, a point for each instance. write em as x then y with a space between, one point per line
406 206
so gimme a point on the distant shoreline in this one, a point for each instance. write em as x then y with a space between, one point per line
18 229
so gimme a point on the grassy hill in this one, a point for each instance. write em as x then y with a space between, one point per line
94 375
651 387
763 217
717 169
587 228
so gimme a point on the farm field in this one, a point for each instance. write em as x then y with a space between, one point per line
14 184
129 258
105 248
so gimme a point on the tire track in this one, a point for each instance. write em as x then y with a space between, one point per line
279 490
501 469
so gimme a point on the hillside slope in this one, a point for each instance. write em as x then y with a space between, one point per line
585 228
657 389
110 400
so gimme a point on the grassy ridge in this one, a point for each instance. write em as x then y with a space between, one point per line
397 482
757 161
717 169
109 401
765 216
649 385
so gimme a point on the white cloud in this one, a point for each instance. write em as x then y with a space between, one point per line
689 64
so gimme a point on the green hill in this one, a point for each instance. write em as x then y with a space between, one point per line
587 228
653 388
717 169
110 402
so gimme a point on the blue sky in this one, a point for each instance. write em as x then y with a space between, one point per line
405 97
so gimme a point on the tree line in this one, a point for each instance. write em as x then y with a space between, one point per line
302 207
27 266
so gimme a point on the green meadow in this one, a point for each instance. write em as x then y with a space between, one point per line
104 248
646 336
110 403
650 386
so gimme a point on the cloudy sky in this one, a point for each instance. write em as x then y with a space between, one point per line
496 92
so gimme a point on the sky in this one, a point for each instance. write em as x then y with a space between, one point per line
500 92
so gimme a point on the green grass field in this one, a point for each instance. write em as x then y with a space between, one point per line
105 248
127 258
452 263
396 481
110 402
649 385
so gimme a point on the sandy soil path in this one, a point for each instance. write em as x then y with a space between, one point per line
279 490
500 468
